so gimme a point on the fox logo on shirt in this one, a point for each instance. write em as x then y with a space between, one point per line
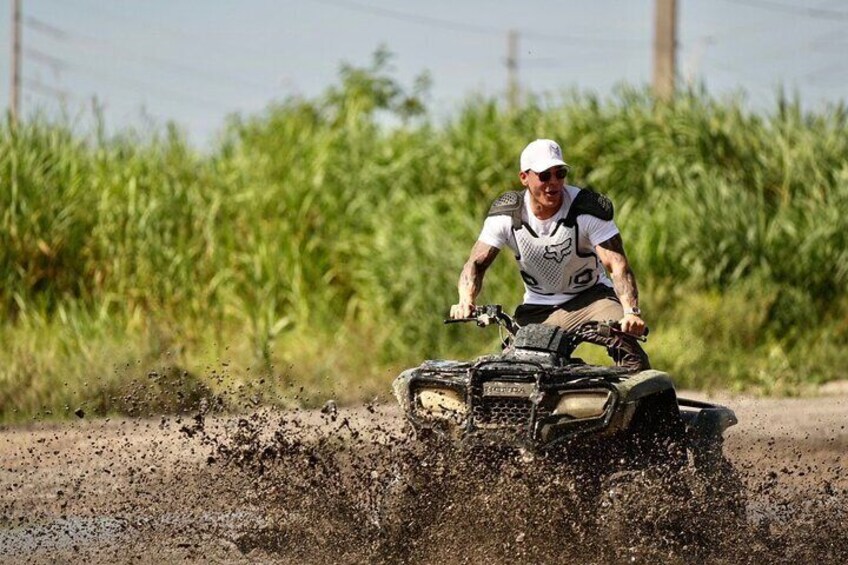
558 251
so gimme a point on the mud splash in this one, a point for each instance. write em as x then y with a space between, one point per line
341 492
352 486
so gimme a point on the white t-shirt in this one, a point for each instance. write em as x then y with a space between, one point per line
497 232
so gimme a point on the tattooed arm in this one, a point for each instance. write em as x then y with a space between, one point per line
611 253
471 278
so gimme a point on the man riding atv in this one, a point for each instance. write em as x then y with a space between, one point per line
534 397
561 236
625 424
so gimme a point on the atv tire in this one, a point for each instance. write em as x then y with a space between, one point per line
636 517
722 488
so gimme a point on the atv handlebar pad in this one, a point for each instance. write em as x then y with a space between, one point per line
545 338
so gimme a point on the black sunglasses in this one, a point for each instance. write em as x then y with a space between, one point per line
545 176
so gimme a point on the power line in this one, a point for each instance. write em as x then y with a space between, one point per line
781 7
412 18
821 43
100 10
91 43
45 28
124 82
827 39
815 76
464 27
136 85
752 86
53 62
38 86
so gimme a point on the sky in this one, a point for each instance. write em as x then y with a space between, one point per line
196 61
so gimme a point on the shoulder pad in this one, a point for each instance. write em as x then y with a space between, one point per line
593 204
509 204
506 203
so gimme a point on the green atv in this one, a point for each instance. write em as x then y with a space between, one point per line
536 397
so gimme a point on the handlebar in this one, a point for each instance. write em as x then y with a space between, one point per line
488 314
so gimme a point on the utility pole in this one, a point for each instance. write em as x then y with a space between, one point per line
665 47
513 93
15 95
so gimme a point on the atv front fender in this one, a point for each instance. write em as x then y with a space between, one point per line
645 383
400 386
634 389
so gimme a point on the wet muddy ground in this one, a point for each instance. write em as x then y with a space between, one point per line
350 486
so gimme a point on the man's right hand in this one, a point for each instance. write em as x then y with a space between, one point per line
462 310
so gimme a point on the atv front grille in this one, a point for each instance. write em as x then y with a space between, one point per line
504 411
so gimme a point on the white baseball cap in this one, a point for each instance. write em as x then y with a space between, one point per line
541 155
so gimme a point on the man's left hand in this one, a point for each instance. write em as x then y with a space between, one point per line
632 324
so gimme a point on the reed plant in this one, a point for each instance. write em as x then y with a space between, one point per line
314 250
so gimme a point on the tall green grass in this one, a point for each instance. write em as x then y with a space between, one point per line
317 246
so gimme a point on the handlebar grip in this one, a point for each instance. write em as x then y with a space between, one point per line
459 320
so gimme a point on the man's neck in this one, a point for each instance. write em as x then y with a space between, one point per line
543 212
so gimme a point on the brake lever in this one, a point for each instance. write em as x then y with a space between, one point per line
606 329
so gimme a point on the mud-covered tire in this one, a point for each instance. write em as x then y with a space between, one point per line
720 485
395 505
657 436
396 519
404 510
633 513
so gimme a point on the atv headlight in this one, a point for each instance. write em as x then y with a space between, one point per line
581 404
440 401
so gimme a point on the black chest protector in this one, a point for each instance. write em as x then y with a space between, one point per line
553 264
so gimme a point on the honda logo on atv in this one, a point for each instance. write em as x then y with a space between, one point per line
559 251
520 390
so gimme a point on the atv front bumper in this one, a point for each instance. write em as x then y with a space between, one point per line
526 404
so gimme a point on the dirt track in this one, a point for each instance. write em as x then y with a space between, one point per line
260 490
